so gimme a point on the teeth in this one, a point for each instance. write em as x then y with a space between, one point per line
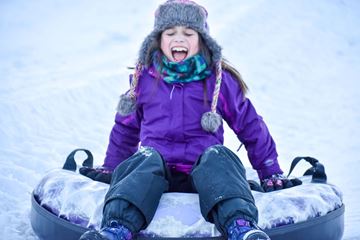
179 49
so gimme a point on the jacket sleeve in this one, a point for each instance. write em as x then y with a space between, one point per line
251 130
124 139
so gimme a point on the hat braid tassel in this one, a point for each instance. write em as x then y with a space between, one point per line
211 121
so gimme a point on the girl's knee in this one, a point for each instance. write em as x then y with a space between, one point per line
151 156
149 152
144 155
212 153
219 153
216 150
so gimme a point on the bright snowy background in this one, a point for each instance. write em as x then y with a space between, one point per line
63 65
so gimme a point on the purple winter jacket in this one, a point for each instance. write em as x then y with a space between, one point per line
168 118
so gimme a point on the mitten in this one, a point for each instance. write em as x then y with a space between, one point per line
277 182
100 174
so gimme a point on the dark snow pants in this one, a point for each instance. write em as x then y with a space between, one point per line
218 176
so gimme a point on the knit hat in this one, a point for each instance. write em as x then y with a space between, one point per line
178 13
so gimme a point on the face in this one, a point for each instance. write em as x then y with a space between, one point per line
179 43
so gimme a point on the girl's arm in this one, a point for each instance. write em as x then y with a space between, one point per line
249 127
124 139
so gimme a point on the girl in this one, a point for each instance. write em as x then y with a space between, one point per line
180 92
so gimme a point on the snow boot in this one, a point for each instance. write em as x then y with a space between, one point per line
114 232
244 230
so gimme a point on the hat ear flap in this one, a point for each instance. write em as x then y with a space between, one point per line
148 45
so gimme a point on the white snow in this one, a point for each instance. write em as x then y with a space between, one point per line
63 65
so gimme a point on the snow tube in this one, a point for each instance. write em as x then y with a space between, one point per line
65 204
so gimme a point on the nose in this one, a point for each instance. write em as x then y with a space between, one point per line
179 39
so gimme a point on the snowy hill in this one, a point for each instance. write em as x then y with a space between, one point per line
64 63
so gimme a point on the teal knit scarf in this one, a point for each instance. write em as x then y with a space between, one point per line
191 69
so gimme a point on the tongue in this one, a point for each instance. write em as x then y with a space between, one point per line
179 56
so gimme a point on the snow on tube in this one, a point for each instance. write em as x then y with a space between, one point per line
65 204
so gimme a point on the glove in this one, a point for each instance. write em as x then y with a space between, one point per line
100 174
277 182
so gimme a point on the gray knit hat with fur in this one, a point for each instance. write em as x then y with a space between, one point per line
178 13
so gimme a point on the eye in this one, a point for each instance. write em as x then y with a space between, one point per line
189 32
169 32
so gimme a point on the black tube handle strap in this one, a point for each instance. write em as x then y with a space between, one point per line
317 171
70 163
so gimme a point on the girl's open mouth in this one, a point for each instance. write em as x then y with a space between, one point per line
179 53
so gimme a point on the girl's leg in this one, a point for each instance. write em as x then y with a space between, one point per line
219 177
135 190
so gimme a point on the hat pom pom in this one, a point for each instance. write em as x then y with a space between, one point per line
211 121
126 105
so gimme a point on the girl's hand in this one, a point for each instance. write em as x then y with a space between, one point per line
100 174
278 182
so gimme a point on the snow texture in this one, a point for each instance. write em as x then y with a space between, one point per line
63 65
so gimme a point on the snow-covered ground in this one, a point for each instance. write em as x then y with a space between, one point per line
63 65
